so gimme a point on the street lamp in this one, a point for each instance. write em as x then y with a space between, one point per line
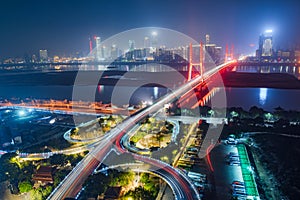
268 116
234 114
211 113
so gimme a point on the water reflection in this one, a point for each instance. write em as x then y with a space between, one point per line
266 98
155 92
121 95
100 89
263 92
292 69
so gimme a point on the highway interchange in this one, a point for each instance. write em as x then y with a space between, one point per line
179 182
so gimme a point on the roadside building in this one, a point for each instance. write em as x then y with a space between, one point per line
43 175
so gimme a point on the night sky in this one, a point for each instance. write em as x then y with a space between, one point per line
64 26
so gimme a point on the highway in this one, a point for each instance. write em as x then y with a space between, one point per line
164 173
71 185
176 179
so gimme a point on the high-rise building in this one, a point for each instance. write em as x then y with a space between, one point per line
297 55
34 58
98 48
154 41
43 55
265 49
146 47
131 44
146 42
114 52
106 52
206 39
214 51
179 53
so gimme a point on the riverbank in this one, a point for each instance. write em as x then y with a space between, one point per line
257 80
68 78
276 159
138 78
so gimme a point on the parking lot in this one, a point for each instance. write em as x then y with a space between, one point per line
224 173
233 173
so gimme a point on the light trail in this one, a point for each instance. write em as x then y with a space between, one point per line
209 148
88 164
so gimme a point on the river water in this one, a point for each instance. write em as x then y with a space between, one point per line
59 85
266 98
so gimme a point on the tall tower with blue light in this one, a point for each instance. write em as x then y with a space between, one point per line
265 50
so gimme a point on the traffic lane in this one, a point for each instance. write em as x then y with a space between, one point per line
224 174
179 181
78 175
73 186
135 118
181 187
173 183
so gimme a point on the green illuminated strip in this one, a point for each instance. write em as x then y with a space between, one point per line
248 177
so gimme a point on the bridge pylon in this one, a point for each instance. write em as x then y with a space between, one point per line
229 54
192 64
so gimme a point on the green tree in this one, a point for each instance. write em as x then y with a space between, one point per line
59 176
256 112
144 177
150 183
36 194
123 178
74 131
74 159
46 191
94 185
159 138
111 118
9 170
170 127
140 193
101 121
25 186
58 159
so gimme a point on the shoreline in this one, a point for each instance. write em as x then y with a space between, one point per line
151 79
265 184
271 165
257 80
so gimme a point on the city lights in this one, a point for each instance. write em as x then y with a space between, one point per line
52 121
21 113
269 31
150 100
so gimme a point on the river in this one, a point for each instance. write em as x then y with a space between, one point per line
266 98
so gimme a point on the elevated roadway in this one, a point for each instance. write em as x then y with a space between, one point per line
71 185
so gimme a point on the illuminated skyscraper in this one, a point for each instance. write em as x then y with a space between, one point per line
98 48
34 58
146 42
43 55
154 39
206 39
265 50
146 47
114 52
131 44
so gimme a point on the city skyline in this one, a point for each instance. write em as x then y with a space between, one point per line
65 27
140 99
